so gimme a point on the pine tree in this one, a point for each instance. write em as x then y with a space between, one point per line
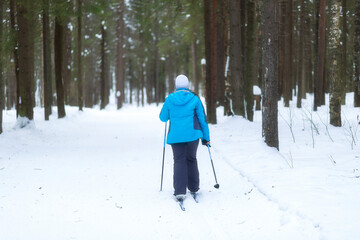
270 84
25 19
357 55
14 33
288 52
335 57
235 59
343 62
47 59
120 59
103 78
249 82
79 76
210 16
301 72
59 56
2 99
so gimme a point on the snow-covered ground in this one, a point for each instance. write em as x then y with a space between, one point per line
96 175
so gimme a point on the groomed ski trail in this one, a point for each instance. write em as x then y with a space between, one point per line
97 175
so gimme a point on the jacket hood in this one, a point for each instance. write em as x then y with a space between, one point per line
181 97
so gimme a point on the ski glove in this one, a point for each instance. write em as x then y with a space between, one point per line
205 142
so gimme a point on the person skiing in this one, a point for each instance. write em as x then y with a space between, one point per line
187 125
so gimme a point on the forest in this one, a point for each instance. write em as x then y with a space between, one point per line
83 52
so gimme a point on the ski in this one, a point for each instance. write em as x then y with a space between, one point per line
195 197
181 204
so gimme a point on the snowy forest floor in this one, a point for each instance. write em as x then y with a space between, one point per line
96 175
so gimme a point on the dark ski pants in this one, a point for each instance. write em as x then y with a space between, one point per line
186 172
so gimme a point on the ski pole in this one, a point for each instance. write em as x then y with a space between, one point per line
212 164
162 169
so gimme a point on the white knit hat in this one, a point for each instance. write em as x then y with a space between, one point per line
181 81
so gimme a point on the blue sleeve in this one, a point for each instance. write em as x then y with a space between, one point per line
164 114
200 112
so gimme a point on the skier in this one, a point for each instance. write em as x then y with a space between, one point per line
187 125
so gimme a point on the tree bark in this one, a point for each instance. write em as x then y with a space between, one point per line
357 55
66 72
282 33
210 53
288 50
335 87
316 50
47 60
59 51
270 84
14 31
103 79
79 58
120 61
220 54
157 62
25 20
89 74
172 72
194 66
343 39
250 63
1 70
320 95
235 59
301 77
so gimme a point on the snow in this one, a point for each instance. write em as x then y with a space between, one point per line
96 175
256 90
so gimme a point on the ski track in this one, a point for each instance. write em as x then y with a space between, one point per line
286 211
83 181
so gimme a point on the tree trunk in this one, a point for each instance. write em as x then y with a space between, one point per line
14 31
66 75
157 61
220 54
287 73
316 59
243 22
343 40
235 59
59 51
47 60
171 71
321 55
357 55
301 78
282 33
79 59
210 53
1 69
103 79
120 61
270 85
250 63
335 87
149 81
89 73
308 64
194 66
131 82
142 70
10 90
25 20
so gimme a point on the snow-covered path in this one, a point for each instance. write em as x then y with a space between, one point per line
96 175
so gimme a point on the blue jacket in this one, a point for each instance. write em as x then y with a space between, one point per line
187 117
